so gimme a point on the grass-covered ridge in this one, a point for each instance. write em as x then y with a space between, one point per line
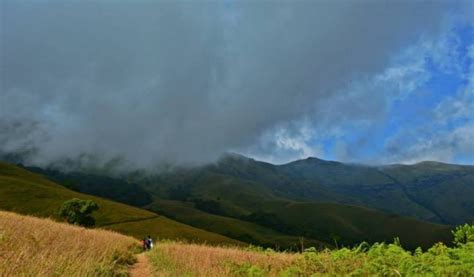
32 246
274 205
263 204
231 227
251 209
429 191
28 193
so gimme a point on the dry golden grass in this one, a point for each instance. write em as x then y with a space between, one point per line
41 247
179 259
379 259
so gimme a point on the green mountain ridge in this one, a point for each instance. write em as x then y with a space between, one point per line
321 201
411 190
323 221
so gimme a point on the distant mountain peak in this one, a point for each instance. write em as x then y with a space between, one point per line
430 163
314 159
234 156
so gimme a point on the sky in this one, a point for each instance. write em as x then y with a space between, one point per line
137 84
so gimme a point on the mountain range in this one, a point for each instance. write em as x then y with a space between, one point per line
313 200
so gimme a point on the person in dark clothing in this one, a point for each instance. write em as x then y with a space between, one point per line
150 242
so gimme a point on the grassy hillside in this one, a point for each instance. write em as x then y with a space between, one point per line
177 259
165 228
349 224
283 224
273 205
28 193
429 191
41 247
104 186
201 198
231 227
445 189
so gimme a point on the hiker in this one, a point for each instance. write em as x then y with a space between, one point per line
144 244
150 243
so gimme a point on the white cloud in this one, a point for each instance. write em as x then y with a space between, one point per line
363 108
442 146
286 143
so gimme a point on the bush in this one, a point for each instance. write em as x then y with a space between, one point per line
78 212
463 234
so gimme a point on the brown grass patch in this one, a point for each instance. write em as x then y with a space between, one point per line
379 259
41 247
178 259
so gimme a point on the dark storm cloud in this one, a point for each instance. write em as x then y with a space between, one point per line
180 82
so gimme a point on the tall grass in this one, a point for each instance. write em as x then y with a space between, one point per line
181 259
41 247
380 259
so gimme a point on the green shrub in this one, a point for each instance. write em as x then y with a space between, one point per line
463 234
382 259
248 269
78 212
255 248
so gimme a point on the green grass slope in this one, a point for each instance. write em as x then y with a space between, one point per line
224 203
25 192
116 189
272 205
282 223
430 191
445 189
350 224
231 227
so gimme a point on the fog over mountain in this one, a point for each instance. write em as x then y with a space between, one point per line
147 82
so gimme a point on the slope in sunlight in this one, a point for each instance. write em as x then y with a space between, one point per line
29 193
31 246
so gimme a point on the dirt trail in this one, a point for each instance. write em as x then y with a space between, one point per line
142 267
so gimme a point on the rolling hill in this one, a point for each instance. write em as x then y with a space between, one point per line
322 201
430 191
436 192
328 223
28 193
354 203
242 230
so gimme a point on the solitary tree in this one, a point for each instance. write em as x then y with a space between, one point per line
78 212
